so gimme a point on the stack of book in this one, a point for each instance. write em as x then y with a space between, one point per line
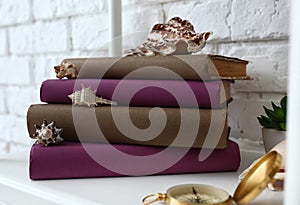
170 118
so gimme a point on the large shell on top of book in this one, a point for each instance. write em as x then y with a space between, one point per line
66 69
48 133
87 97
177 36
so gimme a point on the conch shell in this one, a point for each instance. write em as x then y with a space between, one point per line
177 36
87 97
48 133
66 69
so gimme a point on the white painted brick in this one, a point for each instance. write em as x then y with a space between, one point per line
17 148
268 66
280 19
44 67
204 15
4 147
43 9
20 134
21 39
143 2
210 47
6 122
90 54
134 39
40 37
15 70
259 19
90 32
2 102
51 36
19 99
14 11
3 42
137 22
276 97
243 115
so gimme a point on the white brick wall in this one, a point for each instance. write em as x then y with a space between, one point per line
48 9
14 70
3 40
261 19
40 37
3 109
92 35
205 15
37 34
14 12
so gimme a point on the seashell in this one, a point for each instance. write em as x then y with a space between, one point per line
66 69
48 133
87 97
177 36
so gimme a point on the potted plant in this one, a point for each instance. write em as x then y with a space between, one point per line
274 124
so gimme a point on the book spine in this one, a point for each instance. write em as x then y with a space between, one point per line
148 93
182 127
76 160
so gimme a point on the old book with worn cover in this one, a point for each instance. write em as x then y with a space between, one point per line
76 160
187 67
184 127
148 93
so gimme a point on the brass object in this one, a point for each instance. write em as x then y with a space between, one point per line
253 183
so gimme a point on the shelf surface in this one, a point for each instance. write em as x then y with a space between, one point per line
17 188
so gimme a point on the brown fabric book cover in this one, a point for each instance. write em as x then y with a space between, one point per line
201 128
188 67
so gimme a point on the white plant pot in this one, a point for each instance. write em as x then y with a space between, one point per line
272 137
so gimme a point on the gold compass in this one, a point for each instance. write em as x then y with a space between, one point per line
254 182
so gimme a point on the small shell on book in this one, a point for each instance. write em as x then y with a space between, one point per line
66 69
48 133
87 97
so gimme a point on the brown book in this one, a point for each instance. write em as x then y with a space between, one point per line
188 67
114 124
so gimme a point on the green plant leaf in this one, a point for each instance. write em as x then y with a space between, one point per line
283 102
274 106
274 125
271 114
280 114
263 121
282 126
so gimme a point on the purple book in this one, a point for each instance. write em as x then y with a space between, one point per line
147 93
76 160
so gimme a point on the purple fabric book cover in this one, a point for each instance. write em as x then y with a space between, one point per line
75 160
148 93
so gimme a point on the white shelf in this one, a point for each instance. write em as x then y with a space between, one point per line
17 188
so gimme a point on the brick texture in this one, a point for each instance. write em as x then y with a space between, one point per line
92 35
259 19
27 95
40 37
15 71
205 16
243 113
14 12
2 102
3 45
268 65
48 9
